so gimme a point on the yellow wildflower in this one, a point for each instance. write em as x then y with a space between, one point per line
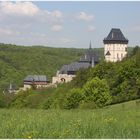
29 137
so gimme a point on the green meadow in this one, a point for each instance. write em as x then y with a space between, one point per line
116 121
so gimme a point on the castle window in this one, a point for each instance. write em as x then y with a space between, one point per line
121 55
117 55
126 49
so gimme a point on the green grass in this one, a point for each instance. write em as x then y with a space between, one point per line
117 121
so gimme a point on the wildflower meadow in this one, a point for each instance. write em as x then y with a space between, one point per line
117 121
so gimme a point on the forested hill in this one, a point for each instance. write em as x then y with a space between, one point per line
16 62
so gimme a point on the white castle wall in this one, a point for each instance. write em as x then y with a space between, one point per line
61 78
26 87
117 51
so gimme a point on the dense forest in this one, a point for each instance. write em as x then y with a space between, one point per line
16 62
105 84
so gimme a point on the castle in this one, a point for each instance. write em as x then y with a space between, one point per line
68 72
115 46
115 49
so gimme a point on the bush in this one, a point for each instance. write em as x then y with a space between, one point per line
47 103
34 100
98 91
73 98
19 100
2 102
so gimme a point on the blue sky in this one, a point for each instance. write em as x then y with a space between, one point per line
68 24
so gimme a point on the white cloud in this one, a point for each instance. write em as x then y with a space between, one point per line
57 28
28 12
51 17
56 14
26 22
18 8
9 32
84 16
91 28
66 40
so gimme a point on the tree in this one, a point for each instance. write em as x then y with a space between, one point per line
97 90
2 102
126 84
81 77
73 98
135 50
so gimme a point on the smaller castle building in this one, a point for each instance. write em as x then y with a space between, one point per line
68 72
115 46
37 81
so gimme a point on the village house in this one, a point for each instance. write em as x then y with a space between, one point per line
68 72
115 46
35 81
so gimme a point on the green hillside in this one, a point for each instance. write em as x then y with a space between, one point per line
114 82
16 62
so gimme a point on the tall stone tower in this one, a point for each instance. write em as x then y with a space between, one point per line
115 46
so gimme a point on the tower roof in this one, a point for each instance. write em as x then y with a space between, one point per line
89 55
90 45
84 62
115 36
75 66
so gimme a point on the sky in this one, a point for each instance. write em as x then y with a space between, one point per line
66 24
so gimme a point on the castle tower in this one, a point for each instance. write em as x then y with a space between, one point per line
115 46
90 45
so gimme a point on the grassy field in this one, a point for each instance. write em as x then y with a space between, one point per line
117 121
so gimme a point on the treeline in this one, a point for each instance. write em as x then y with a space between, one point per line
107 83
